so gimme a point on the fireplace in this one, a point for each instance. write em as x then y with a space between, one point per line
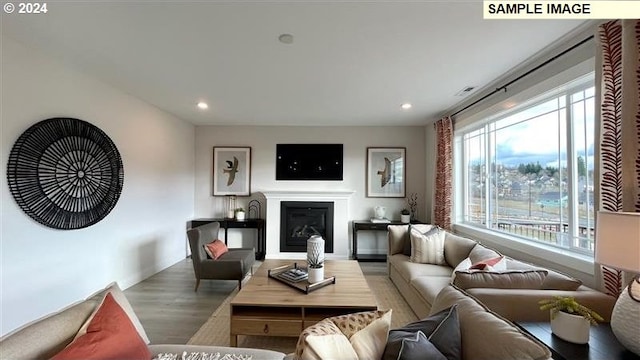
301 219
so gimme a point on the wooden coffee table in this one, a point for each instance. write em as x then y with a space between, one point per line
267 307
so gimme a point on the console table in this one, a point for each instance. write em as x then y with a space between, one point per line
368 225
226 224
602 345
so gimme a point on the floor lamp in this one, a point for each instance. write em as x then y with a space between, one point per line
618 246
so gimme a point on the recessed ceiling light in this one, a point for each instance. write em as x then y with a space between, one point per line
406 106
203 105
286 38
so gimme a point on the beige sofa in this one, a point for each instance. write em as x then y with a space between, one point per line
46 337
421 283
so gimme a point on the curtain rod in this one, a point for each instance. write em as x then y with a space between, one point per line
504 87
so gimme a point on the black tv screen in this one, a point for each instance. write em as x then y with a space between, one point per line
309 161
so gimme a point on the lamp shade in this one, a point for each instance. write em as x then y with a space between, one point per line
618 240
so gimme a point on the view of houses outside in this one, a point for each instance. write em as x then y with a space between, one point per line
519 167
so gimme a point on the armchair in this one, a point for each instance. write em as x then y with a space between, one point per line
233 265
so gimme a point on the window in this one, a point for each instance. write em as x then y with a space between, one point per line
528 171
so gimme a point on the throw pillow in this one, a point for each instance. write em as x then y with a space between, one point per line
464 265
366 332
423 228
215 249
481 253
528 279
110 335
496 264
417 346
442 330
427 248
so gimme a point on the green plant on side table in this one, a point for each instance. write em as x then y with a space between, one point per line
570 320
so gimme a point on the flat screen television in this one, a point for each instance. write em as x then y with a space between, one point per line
309 161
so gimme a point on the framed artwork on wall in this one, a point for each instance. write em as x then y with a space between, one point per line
386 172
232 171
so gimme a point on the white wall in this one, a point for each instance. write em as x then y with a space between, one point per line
44 269
263 142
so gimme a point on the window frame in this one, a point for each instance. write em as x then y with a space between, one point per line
484 126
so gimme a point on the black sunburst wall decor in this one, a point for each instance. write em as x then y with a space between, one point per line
65 173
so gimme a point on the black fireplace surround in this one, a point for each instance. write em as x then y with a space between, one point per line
301 219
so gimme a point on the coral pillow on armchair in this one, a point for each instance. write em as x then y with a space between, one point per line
110 335
215 249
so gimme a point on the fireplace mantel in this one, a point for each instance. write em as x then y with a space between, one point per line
340 199
276 195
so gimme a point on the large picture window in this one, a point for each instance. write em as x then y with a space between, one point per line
528 171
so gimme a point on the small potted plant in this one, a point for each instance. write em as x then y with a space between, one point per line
240 214
405 216
570 320
315 258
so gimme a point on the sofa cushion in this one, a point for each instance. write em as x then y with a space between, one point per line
515 279
457 248
399 242
109 335
429 286
554 281
410 270
442 330
427 247
486 335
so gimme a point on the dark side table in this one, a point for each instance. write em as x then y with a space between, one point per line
602 345
368 225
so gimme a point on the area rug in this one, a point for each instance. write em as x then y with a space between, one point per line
216 330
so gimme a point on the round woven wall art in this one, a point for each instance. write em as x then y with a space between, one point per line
65 173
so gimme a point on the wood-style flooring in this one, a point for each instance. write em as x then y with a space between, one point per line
171 311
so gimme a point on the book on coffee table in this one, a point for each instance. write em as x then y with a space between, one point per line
295 275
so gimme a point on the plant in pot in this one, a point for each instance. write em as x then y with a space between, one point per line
405 216
570 320
240 214
315 258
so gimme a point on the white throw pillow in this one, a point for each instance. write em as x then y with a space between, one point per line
427 248
464 265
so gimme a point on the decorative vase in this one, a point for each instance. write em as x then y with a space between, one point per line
315 274
240 215
626 317
315 258
405 218
571 328
380 212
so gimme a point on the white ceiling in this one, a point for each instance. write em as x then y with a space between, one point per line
351 63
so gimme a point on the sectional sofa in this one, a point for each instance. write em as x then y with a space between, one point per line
46 337
513 293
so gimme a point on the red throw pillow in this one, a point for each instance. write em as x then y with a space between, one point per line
110 335
498 264
215 249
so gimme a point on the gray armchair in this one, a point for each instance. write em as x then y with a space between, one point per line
233 265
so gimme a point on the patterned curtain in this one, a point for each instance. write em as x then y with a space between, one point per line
444 173
619 48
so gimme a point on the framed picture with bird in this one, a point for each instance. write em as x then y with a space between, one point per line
386 172
231 171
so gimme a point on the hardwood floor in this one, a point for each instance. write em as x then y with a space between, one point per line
171 311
